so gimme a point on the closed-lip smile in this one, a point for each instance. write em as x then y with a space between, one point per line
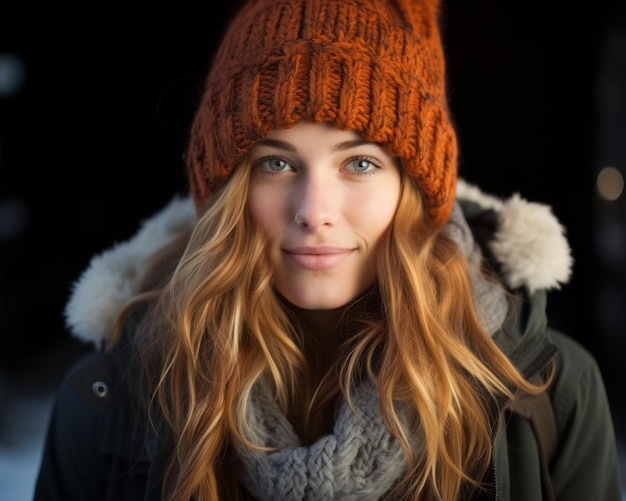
318 258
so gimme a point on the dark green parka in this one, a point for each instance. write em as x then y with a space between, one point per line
99 448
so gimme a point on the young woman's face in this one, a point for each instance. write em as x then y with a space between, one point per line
324 198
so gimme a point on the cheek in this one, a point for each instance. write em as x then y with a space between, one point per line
380 222
259 205
379 212
266 208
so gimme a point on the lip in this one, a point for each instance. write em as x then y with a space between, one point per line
320 258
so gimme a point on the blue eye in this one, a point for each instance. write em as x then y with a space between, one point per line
277 164
273 164
363 165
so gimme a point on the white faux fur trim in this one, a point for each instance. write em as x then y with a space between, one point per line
111 277
471 192
530 244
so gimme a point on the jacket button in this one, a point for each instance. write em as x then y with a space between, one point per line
100 389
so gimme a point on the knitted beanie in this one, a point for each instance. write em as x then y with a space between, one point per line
373 66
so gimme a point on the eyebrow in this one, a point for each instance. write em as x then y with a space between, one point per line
346 145
276 144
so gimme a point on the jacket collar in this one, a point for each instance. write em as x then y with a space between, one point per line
525 239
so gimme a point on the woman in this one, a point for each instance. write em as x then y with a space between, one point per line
324 323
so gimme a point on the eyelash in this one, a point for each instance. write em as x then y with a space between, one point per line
260 161
376 163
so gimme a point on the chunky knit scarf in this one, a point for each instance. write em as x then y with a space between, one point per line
360 460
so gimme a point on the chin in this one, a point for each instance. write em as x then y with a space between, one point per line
319 305
319 299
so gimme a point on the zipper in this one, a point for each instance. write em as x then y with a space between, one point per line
495 477
541 361
538 365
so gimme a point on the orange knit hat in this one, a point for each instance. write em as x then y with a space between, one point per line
373 66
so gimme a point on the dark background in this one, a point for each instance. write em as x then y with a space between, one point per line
93 130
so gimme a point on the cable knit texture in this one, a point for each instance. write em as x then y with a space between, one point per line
373 66
360 460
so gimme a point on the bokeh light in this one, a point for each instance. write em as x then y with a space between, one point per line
610 183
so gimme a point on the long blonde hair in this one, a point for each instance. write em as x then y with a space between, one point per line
216 326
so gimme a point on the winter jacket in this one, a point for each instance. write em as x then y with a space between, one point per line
98 447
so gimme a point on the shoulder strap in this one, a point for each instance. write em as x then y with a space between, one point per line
537 409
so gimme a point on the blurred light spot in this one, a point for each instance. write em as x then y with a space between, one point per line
610 183
11 74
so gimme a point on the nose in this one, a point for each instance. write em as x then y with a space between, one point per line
316 203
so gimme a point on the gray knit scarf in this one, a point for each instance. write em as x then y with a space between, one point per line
360 460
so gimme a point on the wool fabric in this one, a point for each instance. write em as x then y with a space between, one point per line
360 460
373 66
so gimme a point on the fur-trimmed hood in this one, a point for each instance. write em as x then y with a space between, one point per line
529 245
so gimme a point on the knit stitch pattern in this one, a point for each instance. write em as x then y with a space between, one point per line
360 460
372 66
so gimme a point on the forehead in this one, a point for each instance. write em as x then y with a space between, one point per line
323 130
317 137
